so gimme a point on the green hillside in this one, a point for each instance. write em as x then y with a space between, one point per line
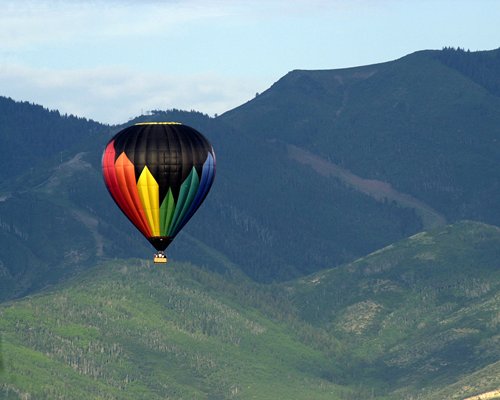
424 124
418 319
419 314
125 330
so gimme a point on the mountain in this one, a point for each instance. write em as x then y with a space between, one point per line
322 168
37 224
326 166
58 219
417 319
427 125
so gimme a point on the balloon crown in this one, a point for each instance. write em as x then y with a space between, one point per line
158 123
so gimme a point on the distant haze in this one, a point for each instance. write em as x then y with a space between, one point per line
112 60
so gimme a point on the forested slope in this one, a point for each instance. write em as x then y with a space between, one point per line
428 124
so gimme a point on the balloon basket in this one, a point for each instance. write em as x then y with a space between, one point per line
160 258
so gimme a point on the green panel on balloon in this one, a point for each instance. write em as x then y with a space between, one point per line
186 195
166 212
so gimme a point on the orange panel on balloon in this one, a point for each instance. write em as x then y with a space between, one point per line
108 162
126 180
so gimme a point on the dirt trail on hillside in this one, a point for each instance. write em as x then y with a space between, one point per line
376 189
495 394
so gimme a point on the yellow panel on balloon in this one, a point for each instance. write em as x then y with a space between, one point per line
149 193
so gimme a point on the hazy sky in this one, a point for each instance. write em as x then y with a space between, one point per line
111 60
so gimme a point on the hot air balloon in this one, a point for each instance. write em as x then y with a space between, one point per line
158 173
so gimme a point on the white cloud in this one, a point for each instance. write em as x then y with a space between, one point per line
113 95
24 24
109 60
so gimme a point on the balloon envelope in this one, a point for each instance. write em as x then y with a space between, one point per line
159 173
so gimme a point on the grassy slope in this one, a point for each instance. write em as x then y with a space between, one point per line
418 315
417 318
127 331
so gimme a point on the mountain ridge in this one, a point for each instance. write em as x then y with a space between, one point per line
415 123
